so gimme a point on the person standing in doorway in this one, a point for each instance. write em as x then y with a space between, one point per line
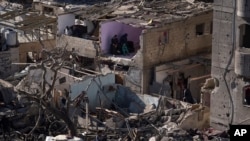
187 95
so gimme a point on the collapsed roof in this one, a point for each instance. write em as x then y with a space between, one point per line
146 13
15 16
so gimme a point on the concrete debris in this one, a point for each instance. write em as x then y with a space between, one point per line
209 84
6 92
127 116
201 114
206 91
46 100
62 138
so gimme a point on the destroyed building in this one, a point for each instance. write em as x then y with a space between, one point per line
21 30
112 107
154 37
230 64
168 42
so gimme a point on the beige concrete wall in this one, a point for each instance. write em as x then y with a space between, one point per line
24 48
37 6
82 46
40 7
182 42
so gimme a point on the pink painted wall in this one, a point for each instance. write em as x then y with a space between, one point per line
109 29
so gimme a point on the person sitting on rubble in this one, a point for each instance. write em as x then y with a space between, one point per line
68 31
123 42
114 45
187 95
125 49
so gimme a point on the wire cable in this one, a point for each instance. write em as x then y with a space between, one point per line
230 61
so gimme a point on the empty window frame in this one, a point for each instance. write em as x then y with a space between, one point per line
246 94
48 10
200 29
244 36
211 28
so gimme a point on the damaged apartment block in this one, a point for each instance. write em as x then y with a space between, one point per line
230 64
154 37
114 70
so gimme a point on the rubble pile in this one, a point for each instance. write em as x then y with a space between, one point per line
48 103
157 124
169 120
18 119
161 122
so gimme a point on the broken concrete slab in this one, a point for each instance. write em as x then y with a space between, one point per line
135 103
197 118
115 122
94 88
62 138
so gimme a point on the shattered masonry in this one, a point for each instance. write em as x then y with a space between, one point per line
64 77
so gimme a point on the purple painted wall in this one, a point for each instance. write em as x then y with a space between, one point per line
109 29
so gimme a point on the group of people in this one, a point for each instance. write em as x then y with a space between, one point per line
119 47
76 30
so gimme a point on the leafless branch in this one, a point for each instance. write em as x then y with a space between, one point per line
37 123
57 113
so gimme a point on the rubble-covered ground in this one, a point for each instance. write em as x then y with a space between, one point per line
169 120
44 103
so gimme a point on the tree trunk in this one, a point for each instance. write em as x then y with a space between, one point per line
58 114
62 115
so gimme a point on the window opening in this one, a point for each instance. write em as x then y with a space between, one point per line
247 95
200 29
245 36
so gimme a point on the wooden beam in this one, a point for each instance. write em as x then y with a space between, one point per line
7 25
7 14
37 24
31 19
200 77
12 16
183 68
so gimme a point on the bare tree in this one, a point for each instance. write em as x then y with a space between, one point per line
54 60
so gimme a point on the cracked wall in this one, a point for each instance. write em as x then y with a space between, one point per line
24 48
83 47
227 98
180 42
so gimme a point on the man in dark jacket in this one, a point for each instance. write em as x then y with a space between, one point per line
124 39
187 95
124 44
114 45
